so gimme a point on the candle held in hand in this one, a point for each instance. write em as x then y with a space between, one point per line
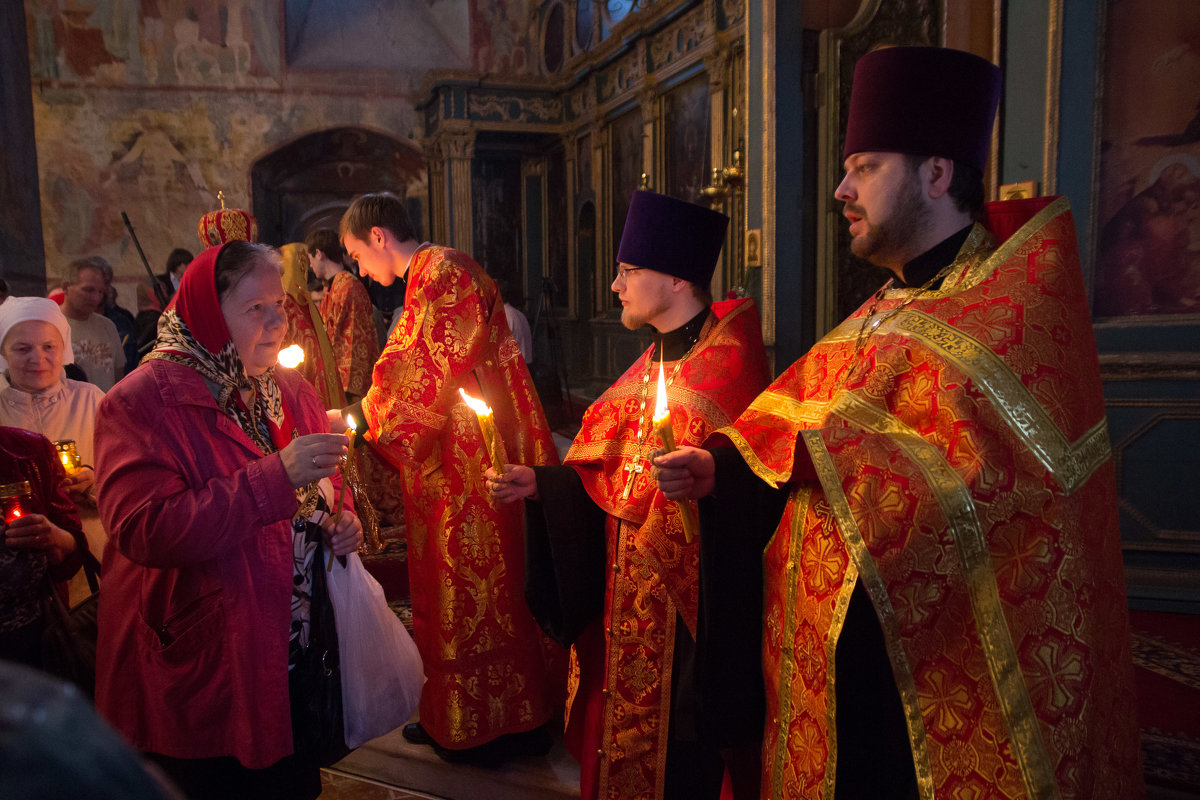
487 424
662 425
351 426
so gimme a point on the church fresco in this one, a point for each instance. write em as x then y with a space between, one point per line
153 107
1148 252
503 36
222 43
164 163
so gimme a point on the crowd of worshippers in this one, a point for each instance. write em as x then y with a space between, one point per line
893 571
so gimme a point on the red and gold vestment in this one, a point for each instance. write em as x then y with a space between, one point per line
964 477
317 366
620 700
346 309
489 669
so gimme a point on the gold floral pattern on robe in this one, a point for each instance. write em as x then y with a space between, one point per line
963 477
490 670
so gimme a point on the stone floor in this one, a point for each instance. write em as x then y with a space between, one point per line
390 768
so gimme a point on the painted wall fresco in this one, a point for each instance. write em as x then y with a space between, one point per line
504 37
152 106
162 158
1148 254
156 42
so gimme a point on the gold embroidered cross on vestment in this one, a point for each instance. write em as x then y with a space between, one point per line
637 464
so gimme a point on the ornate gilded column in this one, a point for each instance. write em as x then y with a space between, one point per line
459 149
717 67
450 154
652 156
570 143
439 225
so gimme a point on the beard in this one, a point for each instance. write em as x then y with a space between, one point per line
633 320
890 239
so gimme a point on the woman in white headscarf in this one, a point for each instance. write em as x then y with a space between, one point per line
35 394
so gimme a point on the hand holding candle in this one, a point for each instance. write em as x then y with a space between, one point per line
491 436
662 425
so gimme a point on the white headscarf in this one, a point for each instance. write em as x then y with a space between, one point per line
26 309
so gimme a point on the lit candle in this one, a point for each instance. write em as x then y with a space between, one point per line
337 511
68 454
11 497
487 424
291 356
662 424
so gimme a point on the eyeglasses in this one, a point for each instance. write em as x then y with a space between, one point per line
623 272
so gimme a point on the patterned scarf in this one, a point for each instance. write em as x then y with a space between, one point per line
222 367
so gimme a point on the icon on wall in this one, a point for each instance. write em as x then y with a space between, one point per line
754 247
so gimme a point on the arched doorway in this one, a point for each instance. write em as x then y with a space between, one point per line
307 183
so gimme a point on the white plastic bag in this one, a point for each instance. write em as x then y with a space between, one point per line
382 673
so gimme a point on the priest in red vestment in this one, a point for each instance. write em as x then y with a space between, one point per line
349 317
493 678
306 328
944 610
610 569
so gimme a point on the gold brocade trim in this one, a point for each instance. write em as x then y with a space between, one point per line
787 656
973 275
873 582
664 700
1013 243
402 413
958 507
789 408
776 479
840 609
1071 463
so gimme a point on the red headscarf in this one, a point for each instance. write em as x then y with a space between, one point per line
197 303
193 332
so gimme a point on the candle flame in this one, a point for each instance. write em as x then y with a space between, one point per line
350 423
661 410
291 356
478 406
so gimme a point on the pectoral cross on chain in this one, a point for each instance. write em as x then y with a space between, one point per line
635 467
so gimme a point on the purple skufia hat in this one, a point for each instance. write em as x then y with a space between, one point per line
671 236
923 101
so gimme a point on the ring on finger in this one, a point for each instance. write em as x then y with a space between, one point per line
315 464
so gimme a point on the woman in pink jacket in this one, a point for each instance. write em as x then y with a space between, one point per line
209 462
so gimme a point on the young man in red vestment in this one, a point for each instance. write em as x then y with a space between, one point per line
346 309
944 611
492 678
609 567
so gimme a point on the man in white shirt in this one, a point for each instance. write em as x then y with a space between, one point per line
94 338
517 322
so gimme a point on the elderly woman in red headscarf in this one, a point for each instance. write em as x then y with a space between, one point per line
210 463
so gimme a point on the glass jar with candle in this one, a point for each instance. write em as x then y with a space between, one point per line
15 500
68 453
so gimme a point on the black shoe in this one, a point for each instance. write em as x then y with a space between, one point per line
415 733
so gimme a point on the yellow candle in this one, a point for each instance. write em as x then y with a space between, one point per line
487 424
337 511
662 424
